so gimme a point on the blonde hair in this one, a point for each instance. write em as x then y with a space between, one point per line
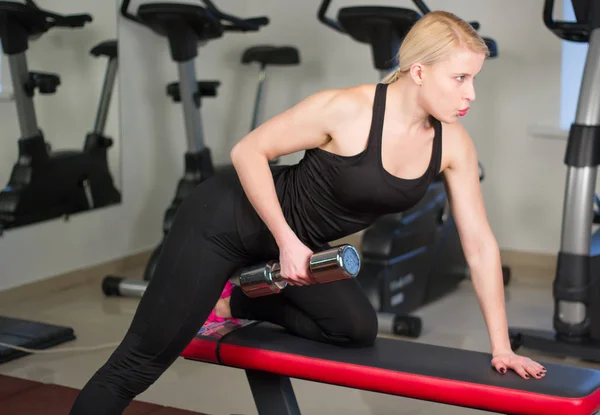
433 37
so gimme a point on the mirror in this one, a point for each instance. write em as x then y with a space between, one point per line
60 146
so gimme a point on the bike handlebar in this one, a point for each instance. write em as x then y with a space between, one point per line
61 20
422 6
560 25
321 15
236 24
76 20
327 21
226 21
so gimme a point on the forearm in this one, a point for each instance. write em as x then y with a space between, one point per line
486 274
256 178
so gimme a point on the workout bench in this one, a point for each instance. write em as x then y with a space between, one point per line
271 356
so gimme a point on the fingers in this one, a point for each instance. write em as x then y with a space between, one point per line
530 369
306 278
524 367
536 370
521 371
299 279
297 274
500 367
294 281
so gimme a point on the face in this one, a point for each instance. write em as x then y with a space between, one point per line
447 87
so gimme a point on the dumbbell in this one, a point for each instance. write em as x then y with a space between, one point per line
399 325
337 263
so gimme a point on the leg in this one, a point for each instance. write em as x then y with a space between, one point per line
341 309
337 312
193 268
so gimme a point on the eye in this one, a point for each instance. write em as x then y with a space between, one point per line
460 78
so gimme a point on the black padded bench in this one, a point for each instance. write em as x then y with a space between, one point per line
271 356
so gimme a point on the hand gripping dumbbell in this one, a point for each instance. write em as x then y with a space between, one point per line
337 263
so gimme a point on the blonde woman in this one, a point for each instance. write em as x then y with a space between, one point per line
371 150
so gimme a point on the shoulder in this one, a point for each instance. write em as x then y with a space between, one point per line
458 147
344 103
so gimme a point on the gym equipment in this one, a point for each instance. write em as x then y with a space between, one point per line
44 184
47 184
267 55
271 356
415 257
577 282
30 335
186 27
337 263
383 29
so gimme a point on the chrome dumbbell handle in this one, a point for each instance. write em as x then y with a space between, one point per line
333 264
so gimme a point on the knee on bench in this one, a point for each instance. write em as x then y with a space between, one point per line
357 329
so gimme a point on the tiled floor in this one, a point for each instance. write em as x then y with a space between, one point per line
220 391
26 397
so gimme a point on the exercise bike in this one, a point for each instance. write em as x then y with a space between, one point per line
187 27
46 184
576 286
413 258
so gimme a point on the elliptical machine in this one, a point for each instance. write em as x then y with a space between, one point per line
47 184
576 286
415 257
186 27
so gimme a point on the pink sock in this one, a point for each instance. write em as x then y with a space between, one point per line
212 318
227 290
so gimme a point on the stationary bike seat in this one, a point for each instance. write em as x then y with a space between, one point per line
271 55
107 48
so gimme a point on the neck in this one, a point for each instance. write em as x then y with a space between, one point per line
405 108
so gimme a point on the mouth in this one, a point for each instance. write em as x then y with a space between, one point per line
463 112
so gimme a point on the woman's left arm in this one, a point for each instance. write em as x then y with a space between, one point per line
461 177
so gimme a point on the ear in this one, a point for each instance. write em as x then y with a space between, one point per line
417 73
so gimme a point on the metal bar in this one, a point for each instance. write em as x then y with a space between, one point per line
262 74
107 90
273 394
24 103
193 120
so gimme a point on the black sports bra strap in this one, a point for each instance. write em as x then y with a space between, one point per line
437 146
378 116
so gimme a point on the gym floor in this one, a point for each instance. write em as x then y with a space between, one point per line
454 321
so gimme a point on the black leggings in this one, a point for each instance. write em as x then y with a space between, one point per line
215 232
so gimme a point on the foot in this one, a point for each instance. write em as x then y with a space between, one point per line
222 309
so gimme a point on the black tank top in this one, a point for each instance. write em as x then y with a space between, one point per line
326 196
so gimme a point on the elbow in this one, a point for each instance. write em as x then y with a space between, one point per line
244 151
236 153
480 251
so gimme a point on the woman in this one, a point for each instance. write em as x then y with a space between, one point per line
370 150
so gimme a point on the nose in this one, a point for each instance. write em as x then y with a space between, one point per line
470 93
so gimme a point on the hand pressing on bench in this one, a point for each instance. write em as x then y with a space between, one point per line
524 366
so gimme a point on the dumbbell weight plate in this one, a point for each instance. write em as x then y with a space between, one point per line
408 326
340 262
262 279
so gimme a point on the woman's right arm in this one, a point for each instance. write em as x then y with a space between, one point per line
309 124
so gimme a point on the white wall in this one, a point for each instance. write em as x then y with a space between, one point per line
525 175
